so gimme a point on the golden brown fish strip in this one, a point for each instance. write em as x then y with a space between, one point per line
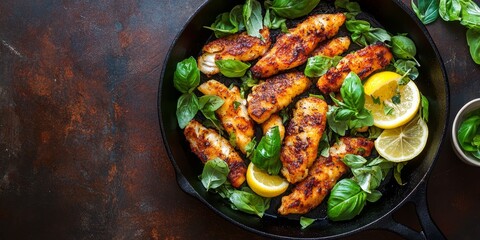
274 94
323 175
292 49
273 121
304 131
333 47
362 62
240 46
233 113
207 144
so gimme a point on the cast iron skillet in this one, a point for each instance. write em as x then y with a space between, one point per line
395 18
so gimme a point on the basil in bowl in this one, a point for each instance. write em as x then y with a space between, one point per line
466 133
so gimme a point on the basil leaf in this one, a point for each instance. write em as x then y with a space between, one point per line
232 68
363 34
305 222
424 108
187 75
470 14
187 108
272 21
228 23
319 65
324 145
252 18
354 161
236 17
344 114
449 10
214 173
374 196
208 104
352 92
467 130
404 48
247 82
473 40
339 127
368 178
346 200
292 8
267 154
397 172
249 202
407 69
476 154
427 10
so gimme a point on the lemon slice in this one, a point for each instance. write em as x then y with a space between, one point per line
403 143
264 184
392 105
382 85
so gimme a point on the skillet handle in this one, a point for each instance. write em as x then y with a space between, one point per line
430 229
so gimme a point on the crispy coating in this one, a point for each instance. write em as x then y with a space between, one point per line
273 121
207 144
323 175
274 94
233 113
293 49
240 46
332 47
303 135
362 62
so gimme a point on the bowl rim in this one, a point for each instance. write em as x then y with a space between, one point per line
470 106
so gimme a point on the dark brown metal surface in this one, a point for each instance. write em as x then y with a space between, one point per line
81 156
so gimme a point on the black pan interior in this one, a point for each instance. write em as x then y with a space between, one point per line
395 18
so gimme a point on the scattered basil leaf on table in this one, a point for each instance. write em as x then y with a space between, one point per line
266 155
187 75
346 200
426 11
319 65
214 173
252 17
449 10
291 8
470 14
187 108
473 41
232 68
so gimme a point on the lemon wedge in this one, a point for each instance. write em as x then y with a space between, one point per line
392 105
403 143
264 184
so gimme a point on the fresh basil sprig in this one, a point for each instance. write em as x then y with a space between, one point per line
364 34
408 70
247 201
228 22
248 81
208 104
319 65
349 196
291 8
273 21
266 155
232 68
350 113
187 108
426 11
449 10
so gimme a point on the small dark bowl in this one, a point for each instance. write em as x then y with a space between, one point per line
462 114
